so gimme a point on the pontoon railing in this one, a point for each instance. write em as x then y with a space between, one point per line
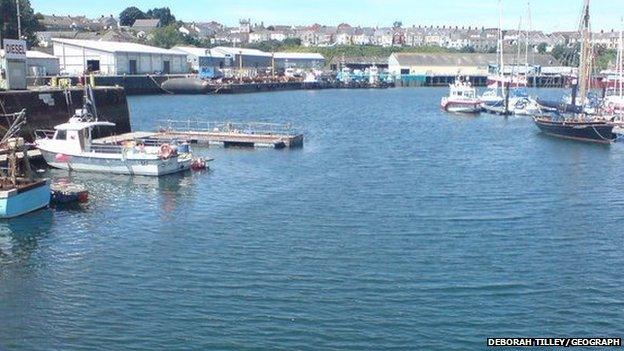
196 125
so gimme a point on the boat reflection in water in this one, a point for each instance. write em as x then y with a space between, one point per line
19 237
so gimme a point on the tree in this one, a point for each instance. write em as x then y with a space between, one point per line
129 15
541 48
163 14
167 37
8 21
292 42
568 56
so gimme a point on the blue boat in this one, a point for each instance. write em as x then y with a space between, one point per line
24 198
20 193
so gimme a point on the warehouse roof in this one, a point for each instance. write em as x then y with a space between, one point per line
191 50
360 60
114 46
298 55
465 59
243 51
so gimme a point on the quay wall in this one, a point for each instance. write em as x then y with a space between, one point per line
46 108
151 84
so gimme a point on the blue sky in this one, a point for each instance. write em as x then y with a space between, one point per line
549 15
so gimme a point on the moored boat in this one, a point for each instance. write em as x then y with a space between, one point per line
20 192
579 120
462 98
71 147
591 129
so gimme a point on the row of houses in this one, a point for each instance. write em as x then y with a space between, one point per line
451 37
480 39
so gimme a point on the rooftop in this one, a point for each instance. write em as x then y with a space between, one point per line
191 50
298 55
114 46
243 51
146 23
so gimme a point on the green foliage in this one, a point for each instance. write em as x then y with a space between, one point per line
468 49
167 37
605 58
163 14
568 56
8 21
292 42
541 48
129 15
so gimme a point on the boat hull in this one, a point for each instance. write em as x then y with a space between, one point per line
17 202
598 132
156 167
461 106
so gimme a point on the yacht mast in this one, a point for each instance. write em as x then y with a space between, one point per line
584 64
501 67
526 42
619 61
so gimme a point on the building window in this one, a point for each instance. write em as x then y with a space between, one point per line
166 67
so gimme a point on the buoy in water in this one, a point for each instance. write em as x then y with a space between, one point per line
198 164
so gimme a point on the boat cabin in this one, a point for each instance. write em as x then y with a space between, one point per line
462 90
75 136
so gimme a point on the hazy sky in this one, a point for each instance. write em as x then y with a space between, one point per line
549 15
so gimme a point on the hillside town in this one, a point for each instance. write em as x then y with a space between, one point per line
454 37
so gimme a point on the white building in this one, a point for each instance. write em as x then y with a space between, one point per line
245 58
39 63
108 57
298 60
201 57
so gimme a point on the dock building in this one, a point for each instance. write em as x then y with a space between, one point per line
116 58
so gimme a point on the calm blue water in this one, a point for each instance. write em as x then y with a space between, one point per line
395 227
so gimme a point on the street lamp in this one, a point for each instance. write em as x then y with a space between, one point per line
19 20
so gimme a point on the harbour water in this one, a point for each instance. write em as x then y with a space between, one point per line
396 226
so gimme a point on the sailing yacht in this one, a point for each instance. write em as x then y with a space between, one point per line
493 99
579 124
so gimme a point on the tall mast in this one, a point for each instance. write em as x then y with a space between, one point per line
619 61
584 64
526 42
500 36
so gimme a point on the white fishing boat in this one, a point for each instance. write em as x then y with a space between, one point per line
71 147
462 98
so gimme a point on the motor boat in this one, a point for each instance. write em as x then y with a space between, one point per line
462 98
70 146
